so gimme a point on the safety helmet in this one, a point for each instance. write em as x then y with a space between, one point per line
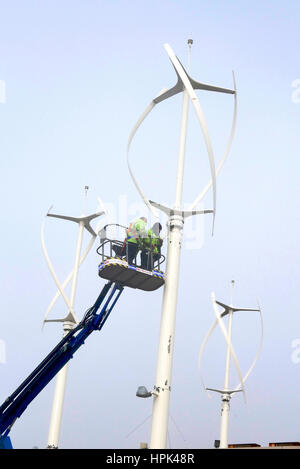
157 226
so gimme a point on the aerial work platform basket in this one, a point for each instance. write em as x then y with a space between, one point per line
115 267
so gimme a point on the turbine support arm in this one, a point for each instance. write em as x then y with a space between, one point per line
170 212
85 219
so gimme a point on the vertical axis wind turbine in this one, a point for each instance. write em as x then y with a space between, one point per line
226 392
176 216
70 320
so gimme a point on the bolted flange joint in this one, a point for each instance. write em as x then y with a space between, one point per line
176 221
226 397
68 326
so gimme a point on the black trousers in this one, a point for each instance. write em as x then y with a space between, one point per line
133 249
148 259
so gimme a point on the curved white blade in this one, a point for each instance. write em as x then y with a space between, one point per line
53 273
190 90
257 354
68 278
132 134
224 331
210 331
221 164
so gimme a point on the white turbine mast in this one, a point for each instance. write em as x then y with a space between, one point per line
226 392
176 216
70 320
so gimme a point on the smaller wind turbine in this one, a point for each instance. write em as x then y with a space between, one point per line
226 392
70 320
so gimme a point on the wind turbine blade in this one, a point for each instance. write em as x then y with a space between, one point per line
132 134
224 331
203 345
257 353
52 271
67 280
190 90
221 164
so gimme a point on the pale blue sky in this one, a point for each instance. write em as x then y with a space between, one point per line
78 75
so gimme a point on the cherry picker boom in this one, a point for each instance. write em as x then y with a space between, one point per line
14 406
119 274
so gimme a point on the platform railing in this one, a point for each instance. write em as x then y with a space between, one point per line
113 248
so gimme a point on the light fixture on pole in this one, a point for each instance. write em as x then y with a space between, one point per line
70 320
176 216
226 392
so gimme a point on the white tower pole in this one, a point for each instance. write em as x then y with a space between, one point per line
60 385
226 396
225 409
160 412
57 406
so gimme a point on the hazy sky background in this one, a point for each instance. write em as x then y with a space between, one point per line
77 76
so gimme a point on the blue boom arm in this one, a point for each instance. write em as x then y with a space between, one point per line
14 406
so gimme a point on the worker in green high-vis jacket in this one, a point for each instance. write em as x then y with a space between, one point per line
135 234
152 243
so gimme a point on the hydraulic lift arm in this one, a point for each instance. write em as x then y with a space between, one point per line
14 406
